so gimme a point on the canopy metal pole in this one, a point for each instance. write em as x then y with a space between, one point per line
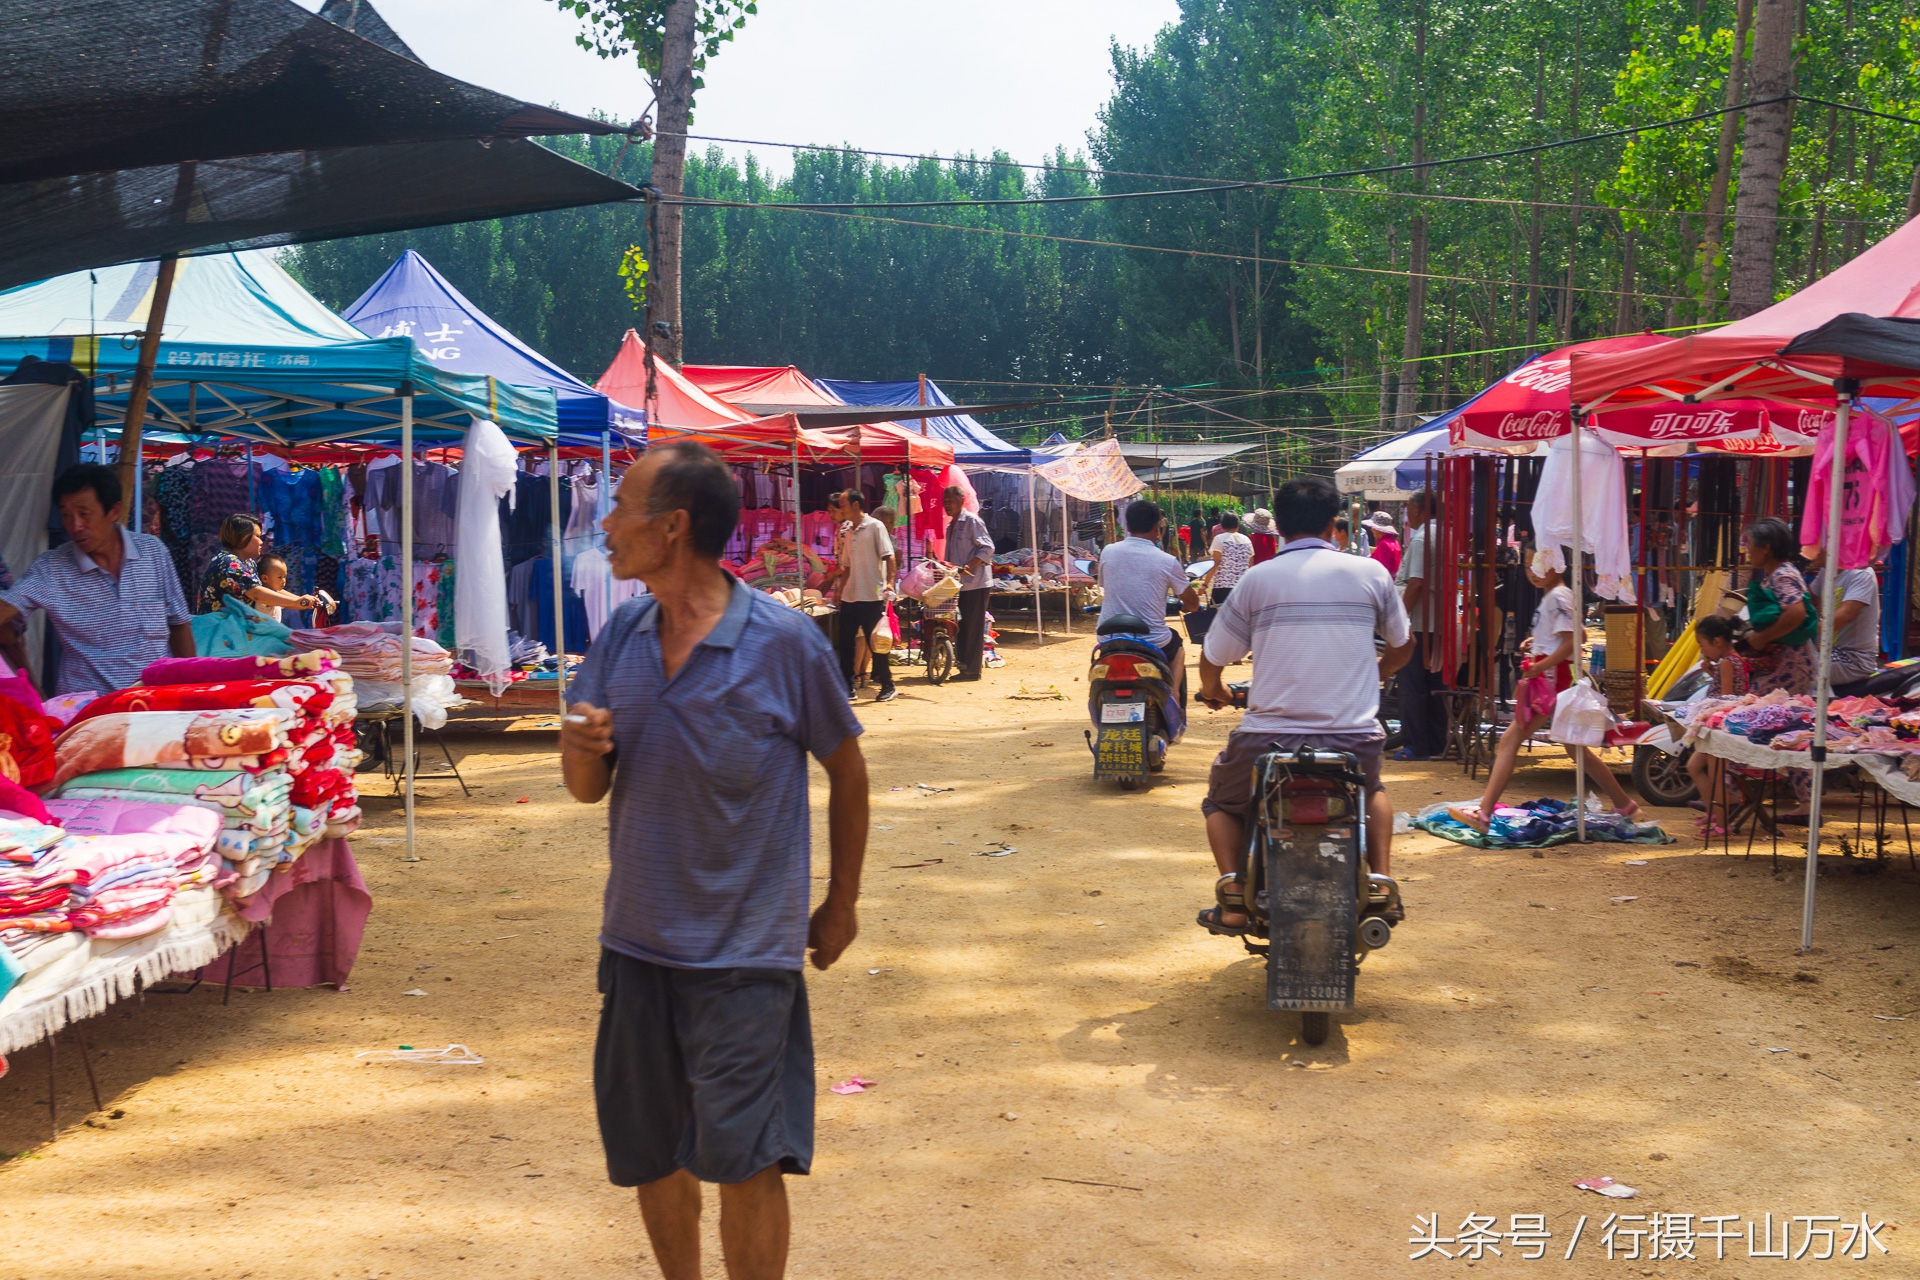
1066 560
559 599
796 493
1823 688
606 502
406 600
252 506
1577 580
1033 532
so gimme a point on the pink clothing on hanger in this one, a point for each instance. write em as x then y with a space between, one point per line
1876 497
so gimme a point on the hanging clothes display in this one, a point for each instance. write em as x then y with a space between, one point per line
1603 512
487 467
1876 497
599 591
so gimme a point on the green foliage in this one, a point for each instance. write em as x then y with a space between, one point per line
636 28
633 276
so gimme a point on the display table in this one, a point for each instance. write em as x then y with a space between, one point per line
1883 769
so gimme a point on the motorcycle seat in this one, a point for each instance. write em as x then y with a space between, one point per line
1126 624
1127 644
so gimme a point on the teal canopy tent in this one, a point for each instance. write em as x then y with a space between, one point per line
248 354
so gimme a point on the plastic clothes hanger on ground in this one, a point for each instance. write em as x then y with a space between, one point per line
454 1055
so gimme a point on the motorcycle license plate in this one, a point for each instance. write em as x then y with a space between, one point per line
1311 887
1123 713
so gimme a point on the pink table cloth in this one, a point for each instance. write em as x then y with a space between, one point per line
317 913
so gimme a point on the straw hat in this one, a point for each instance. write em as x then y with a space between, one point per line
1380 522
1261 521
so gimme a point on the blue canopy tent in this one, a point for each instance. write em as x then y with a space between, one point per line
413 300
973 445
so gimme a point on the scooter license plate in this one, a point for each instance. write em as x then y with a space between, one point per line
1123 713
1120 751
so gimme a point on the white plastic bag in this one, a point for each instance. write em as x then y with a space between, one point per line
1580 716
940 592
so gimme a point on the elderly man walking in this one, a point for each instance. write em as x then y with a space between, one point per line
697 707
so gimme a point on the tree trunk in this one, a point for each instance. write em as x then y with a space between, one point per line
1763 159
674 89
1533 234
1405 400
1623 316
1233 315
1723 168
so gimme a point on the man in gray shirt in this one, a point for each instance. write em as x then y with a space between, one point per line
970 553
1856 624
866 584
696 709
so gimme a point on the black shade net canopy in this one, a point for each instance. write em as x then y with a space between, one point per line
100 219
434 150
93 85
1882 349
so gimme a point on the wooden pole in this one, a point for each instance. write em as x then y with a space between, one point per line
143 381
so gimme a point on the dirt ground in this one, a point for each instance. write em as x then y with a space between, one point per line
1073 1079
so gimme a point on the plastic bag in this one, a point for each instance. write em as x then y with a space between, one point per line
940 592
886 633
915 581
1580 716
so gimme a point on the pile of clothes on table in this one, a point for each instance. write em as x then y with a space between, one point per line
370 653
1537 824
1016 569
1784 722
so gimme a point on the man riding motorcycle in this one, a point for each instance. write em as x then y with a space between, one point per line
1136 577
1308 617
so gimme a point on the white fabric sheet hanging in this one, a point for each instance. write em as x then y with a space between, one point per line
1603 512
480 587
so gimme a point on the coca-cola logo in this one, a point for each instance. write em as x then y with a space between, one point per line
1543 425
1814 421
1693 425
1765 442
1544 375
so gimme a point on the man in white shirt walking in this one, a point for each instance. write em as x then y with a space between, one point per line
1423 721
866 584
1137 577
1308 617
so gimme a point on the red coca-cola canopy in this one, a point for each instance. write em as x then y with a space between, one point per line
1742 360
1535 403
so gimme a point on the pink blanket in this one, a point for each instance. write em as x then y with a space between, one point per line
207 670
127 817
318 910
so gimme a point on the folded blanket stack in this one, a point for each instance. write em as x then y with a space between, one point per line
266 756
370 651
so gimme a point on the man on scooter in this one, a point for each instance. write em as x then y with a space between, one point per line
1308 616
1136 577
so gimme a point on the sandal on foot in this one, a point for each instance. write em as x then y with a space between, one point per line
1469 815
1212 921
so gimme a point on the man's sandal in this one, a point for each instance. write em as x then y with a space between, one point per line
1210 920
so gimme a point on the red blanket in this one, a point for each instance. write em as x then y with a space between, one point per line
26 744
309 697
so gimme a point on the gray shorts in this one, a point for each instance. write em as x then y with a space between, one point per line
1230 781
707 1070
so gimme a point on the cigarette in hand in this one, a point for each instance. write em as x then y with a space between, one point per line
572 719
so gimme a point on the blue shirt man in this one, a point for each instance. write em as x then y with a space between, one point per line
696 709
112 594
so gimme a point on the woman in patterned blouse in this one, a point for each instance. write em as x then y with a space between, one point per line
231 571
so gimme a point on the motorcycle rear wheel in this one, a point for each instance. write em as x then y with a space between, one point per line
1128 784
1315 1026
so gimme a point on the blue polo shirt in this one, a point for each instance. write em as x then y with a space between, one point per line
708 831
109 627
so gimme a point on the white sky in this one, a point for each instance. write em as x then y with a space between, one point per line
891 75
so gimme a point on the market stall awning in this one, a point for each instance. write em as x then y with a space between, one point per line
412 300
247 353
675 402
1744 359
88 86
889 444
780 438
1381 473
1097 473
1535 403
972 443
1179 463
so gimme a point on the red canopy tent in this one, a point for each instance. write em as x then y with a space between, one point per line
1748 358
747 388
1743 360
1535 402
